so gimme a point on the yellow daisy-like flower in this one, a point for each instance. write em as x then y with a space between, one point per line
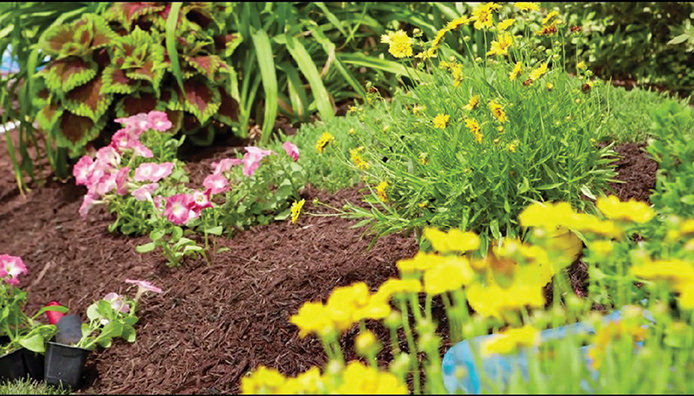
527 6
296 209
505 24
454 240
450 275
360 379
400 43
550 18
457 22
357 159
515 72
429 53
535 74
581 65
441 121
472 103
513 146
312 318
323 141
381 191
474 127
509 340
262 380
498 111
437 40
482 15
632 210
500 47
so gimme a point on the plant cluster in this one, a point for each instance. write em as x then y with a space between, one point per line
139 179
651 337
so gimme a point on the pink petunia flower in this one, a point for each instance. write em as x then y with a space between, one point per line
122 181
252 158
105 185
140 149
216 184
153 172
13 267
224 165
159 121
121 140
201 200
145 192
135 124
291 150
82 170
117 302
179 209
147 286
87 203
108 156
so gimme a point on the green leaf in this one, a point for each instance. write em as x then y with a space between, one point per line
309 70
266 63
171 22
215 230
146 248
34 343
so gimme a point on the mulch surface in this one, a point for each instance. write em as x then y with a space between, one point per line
213 323
637 170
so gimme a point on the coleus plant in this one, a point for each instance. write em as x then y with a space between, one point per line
117 65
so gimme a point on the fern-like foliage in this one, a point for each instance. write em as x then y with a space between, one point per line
116 65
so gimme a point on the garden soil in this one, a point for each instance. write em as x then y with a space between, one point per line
212 323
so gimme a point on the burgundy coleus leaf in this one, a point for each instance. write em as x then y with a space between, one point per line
207 64
200 99
87 100
128 12
68 73
198 13
131 105
48 116
76 130
228 110
115 81
227 43
56 38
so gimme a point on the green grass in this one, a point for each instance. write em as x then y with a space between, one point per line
30 387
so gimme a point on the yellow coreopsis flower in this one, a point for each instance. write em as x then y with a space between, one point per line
296 209
676 271
345 302
550 18
632 210
515 72
360 379
498 111
357 159
308 382
437 40
262 380
535 74
527 6
441 121
472 103
457 22
394 286
400 43
474 127
381 191
312 318
419 263
482 15
454 240
505 24
509 340
581 65
323 141
453 273
500 47
492 299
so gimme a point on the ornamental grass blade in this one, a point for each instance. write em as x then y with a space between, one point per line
310 71
171 22
264 55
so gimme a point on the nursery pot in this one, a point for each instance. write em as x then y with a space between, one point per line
33 363
64 364
12 365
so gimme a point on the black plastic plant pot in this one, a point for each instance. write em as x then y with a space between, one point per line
64 364
12 365
33 363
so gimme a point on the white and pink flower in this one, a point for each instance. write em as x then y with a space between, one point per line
11 267
153 172
179 209
201 201
87 203
291 150
216 183
144 193
122 181
224 165
117 302
144 285
82 170
159 121
252 158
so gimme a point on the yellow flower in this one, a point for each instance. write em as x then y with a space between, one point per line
492 299
482 15
308 382
549 86
505 24
509 340
632 210
429 53
500 47
441 121
472 103
417 110
474 127
513 146
423 158
344 303
366 343
381 191
454 240
394 286
527 6
515 72
609 332
550 18
437 40
498 111
262 380
601 247
581 65
419 263
676 271
449 275
360 379
535 74
457 22
296 209
323 141
400 43
312 318
357 159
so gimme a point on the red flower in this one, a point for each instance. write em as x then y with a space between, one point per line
54 316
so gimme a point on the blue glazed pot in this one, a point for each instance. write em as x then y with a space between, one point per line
461 374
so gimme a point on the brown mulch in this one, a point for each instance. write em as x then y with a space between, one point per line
637 170
212 323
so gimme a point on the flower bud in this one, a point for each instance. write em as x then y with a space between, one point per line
366 344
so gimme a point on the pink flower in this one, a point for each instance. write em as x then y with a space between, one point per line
141 150
54 316
108 156
153 172
252 158
105 185
82 170
291 150
201 200
117 302
147 286
159 121
216 183
13 267
121 140
122 181
98 171
145 192
87 203
135 124
224 165
179 209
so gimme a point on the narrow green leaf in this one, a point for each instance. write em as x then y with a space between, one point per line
171 22
309 70
264 55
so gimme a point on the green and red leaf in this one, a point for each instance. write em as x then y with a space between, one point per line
207 64
227 43
48 116
228 110
68 73
75 131
142 102
200 99
116 82
88 101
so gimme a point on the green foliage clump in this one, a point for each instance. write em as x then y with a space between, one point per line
31 387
